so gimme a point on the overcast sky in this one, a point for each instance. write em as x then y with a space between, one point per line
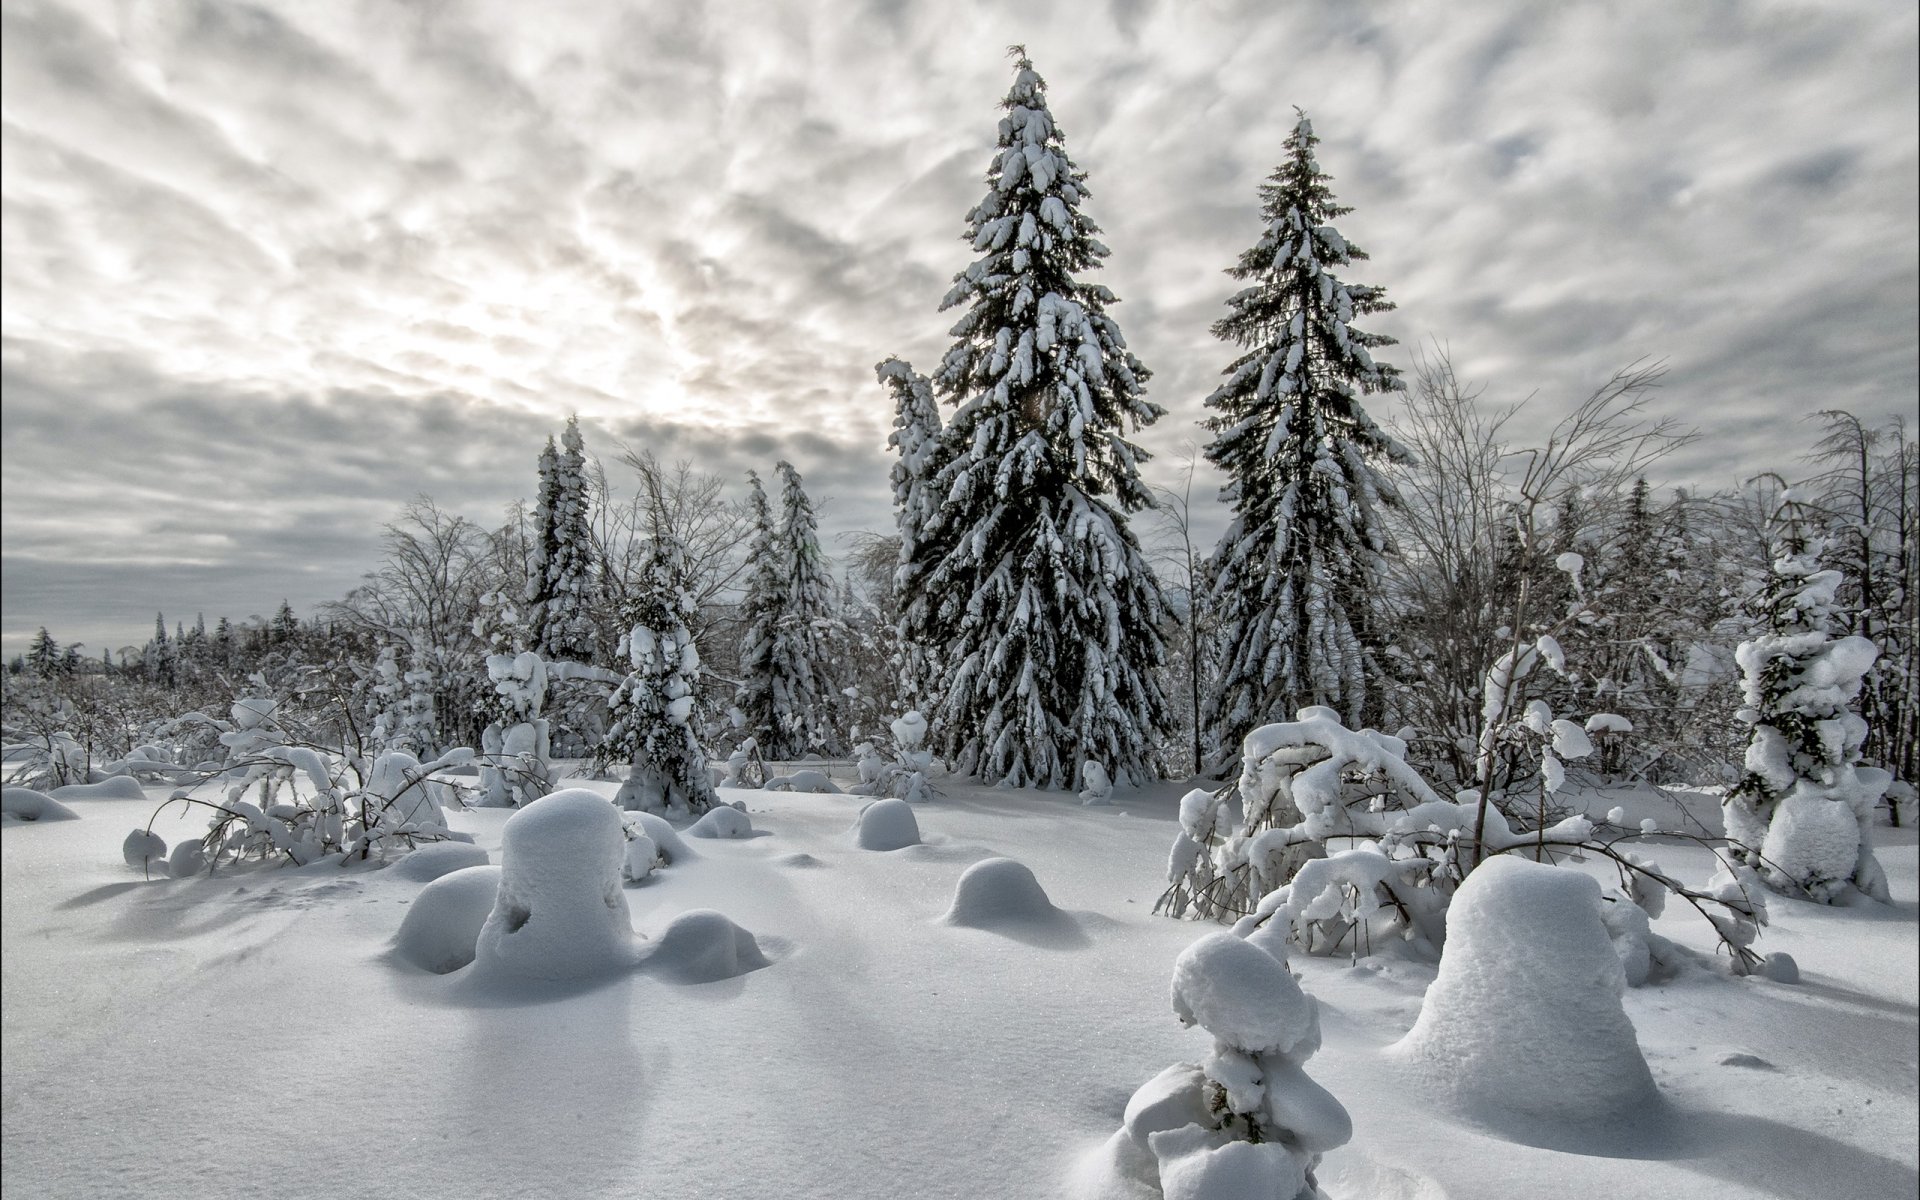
272 269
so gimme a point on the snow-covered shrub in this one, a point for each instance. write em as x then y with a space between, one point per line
702 946
652 710
44 761
1247 1121
515 766
904 776
1524 1019
1098 787
1802 811
745 768
722 821
560 912
1338 844
144 850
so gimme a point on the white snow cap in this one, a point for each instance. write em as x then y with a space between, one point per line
1240 994
886 825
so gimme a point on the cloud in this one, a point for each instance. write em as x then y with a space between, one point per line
285 265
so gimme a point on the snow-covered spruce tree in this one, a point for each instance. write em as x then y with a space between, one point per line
564 622
652 709
916 513
806 702
1047 616
1295 572
537 590
1802 811
760 611
43 658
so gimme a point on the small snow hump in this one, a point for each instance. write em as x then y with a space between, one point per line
443 924
1001 896
429 862
703 946
144 850
888 825
25 804
722 821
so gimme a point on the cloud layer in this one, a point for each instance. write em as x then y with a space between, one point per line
273 269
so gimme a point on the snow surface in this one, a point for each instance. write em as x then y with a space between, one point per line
878 1055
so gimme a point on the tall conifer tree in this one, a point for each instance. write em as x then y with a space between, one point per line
1295 573
916 510
760 611
1047 617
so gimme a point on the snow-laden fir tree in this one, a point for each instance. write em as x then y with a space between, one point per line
43 657
916 511
537 591
1047 617
1803 810
760 611
806 699
564 619
1294 575
652 710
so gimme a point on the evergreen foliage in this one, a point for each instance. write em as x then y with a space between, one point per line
1046 615
917 517
1293 576
564 622
652 709
760 612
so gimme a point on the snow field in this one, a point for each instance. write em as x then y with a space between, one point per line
879 1054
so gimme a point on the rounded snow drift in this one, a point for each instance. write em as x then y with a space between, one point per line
1781 968
724 821
188 859
144 850
666 840
561 912
25 804
1524 1023
115 787
429 862
703 946
999 893
443 924
890 825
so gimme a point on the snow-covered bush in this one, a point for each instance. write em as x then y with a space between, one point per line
886 824
1098 787
905 775
652 709
1337 844
1247 1121
443 924
26 804
1802 811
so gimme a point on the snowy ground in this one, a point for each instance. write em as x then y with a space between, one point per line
248 1035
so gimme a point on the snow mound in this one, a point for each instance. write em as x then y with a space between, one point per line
144 851
1814 842
119 787
703 946
443 924
1240 994
801 861
25 804
1002 896
804 781
722 822
436 859
888 825
1524 1020
642 857
561 912
188 859
666 839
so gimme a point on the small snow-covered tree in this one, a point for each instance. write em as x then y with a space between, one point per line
1247 1120
652 709
916 512
1802 810
806 702
760 612
1295 574
43 657
1047 617
564 622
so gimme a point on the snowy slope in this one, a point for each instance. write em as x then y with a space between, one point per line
250 1035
